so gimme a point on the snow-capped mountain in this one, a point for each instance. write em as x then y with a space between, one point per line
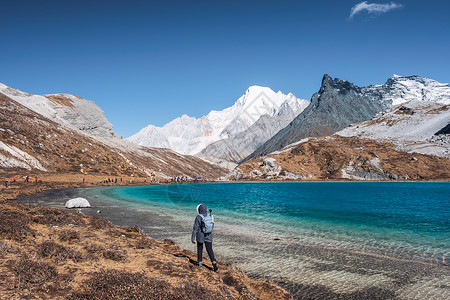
340 103
189 135
74 111
401 89
408 141
237 147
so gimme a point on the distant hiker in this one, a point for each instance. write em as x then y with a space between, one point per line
26 178
202 232
14 179
6 183
83 180
36 179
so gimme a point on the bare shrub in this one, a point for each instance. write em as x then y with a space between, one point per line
169 268
4 248
134 229
33 272
100 223
114 284
93 248
145 243
58 252
235 282
192 290
115 233
68 235
14 225
115 254
54 216
169 242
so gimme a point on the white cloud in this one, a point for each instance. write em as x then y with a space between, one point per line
373 8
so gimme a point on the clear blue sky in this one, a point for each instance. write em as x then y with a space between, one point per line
148 62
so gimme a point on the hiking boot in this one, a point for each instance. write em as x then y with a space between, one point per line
215 267
199 263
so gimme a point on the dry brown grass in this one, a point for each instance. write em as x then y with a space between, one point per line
145 243
60 100
109 262
113 284
100 223
30 271
115 254
326 157
94 248
68 236
57 252
55 217
14 224
134 229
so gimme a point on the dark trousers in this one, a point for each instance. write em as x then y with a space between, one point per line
209 249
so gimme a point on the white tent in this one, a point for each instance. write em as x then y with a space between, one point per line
77 203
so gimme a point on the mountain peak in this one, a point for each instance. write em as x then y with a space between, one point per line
253 93
189 135
326 78
329 83
257 88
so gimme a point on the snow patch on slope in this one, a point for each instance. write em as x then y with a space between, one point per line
410 126
401 89
19 159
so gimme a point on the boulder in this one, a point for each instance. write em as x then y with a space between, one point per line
77 203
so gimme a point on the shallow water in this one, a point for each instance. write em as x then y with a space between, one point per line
317 239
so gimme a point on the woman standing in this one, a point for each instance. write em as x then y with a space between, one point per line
202 232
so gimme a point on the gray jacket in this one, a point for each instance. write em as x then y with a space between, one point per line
197 231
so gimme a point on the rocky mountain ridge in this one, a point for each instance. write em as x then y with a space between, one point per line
39 143
340 103
408 141
411 113
70 110
338 158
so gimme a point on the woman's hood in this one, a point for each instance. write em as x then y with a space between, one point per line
201 209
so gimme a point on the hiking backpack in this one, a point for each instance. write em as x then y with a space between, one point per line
207 223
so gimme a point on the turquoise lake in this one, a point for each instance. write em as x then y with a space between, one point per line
337 239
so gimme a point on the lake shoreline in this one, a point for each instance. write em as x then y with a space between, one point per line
88 248
49 180
314 256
